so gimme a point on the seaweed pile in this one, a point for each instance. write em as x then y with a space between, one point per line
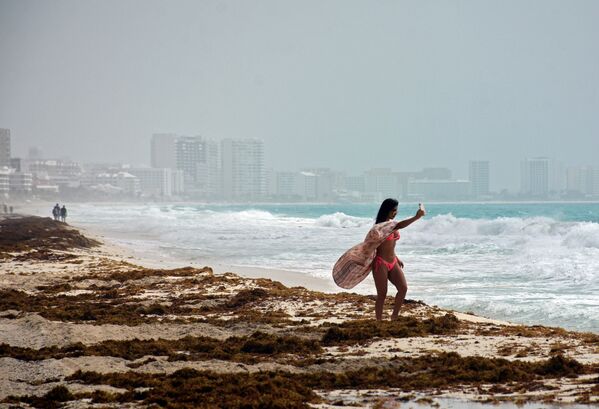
115 334
39 235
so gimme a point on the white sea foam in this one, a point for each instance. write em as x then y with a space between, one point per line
582 235
342 220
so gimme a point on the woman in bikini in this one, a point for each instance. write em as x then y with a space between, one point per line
386 265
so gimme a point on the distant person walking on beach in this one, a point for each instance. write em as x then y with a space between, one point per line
63 214
386 265
56 212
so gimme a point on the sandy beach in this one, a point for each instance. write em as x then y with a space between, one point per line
84 323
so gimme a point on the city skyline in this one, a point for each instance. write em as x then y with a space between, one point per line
198 168
461 171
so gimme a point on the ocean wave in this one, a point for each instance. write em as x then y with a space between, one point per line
249 214
582 235
224 218
449 224
534 227
443 233
341 220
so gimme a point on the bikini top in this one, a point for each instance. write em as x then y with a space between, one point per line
393 236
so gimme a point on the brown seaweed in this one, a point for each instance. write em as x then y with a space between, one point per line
40 233
240 349
356 331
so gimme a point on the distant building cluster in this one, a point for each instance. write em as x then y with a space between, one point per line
199 168
323 184
547 178
232 169
13 182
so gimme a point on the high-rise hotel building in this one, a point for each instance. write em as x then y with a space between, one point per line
164 151
534 174
196 156
243 171
479 178
4 147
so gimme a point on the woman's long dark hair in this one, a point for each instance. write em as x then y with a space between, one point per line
385 209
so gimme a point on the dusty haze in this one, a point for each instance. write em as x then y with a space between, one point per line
345 84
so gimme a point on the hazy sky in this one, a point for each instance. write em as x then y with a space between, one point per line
345 84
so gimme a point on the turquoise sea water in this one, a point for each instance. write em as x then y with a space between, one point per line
534 263
582 212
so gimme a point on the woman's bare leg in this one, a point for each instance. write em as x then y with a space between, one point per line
380 281
396 276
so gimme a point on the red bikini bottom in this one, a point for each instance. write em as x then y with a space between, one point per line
378 261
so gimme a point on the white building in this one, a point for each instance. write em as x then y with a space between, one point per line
271 182
327 183
163 151
479 177
4 147
574 179
355 184
584 180
382 182
123 181
286 184
557 176
4 182
54 172
534 176
46 189
197 157
156 182
20 182
243 172
592 181
439 189
177 182
307 186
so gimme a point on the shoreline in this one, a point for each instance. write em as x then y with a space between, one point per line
134 247
286 277
117 244
80 321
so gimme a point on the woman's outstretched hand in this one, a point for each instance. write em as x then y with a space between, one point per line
405 223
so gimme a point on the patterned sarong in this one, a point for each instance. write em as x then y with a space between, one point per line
355 264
